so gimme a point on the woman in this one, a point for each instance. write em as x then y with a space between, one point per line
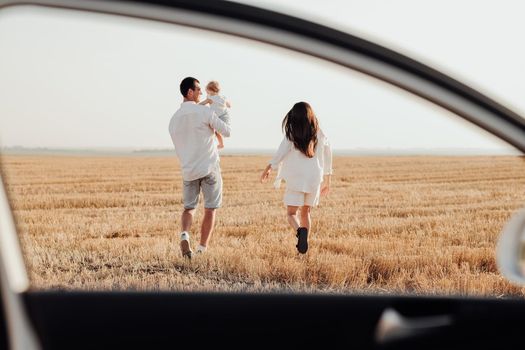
304 161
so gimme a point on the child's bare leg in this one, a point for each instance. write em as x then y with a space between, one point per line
291 212
219 138
305 217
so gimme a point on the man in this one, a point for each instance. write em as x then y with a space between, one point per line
192 129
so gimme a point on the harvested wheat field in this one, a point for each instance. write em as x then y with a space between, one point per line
418 225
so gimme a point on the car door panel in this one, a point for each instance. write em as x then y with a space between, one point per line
153 320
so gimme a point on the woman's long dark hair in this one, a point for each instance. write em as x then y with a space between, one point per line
300 126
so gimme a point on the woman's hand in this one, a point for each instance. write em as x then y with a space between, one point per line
266 173
325 186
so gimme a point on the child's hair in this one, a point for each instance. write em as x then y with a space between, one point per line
213 86
300 126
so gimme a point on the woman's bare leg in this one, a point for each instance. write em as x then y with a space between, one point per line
292 217
305 217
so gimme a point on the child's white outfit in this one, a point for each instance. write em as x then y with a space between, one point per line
220 108
303 175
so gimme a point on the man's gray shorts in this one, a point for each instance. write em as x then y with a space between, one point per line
211 186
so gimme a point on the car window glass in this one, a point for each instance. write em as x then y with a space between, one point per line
417 200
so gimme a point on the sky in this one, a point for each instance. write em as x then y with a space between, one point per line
73 80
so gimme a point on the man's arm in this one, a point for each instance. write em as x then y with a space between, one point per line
218 125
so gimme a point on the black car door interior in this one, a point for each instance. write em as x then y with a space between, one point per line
82 320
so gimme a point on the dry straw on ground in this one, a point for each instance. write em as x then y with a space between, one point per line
418 225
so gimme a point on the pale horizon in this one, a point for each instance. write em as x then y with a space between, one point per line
357 151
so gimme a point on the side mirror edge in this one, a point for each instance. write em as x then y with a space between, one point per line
509 249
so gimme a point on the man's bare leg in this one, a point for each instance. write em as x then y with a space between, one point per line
208 223
186 221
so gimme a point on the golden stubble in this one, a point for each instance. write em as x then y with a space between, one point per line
417 225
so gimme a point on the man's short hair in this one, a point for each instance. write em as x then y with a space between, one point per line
186 84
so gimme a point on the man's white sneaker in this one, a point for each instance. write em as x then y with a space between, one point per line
185 247
200 249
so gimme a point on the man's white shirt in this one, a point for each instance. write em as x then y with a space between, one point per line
192 129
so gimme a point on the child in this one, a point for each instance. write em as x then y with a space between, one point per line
306 158
219 104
